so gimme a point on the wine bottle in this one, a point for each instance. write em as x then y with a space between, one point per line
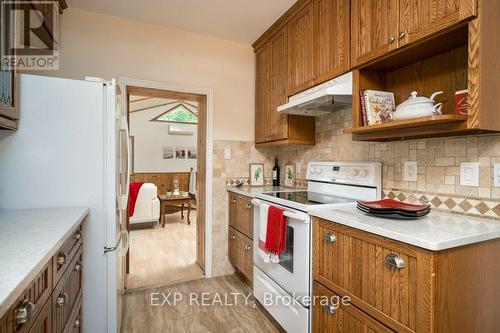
276 173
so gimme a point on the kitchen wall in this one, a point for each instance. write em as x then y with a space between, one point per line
150 137
107 46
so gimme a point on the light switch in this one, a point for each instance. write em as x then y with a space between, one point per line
410 171
496 175
469 174
227 153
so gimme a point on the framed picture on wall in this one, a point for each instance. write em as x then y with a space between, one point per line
289 175
168 153
180 153
256 174
192 153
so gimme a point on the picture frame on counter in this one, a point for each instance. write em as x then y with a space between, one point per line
256 174
290 175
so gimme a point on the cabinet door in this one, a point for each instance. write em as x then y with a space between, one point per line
331 38
374 28
330 315
422 18
263 94
278 121
300 51
245 214
43 323
233 247
246 266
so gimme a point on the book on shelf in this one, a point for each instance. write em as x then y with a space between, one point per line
377 106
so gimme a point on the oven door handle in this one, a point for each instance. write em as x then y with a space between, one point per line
292 215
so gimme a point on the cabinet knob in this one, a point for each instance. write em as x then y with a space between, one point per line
402 35
233 236
62 299
330 308
233 201
249 206
78 266
77 323
391 39
330 237
248 247
25 312
77 235
394 261
61 258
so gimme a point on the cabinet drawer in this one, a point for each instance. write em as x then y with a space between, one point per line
387 279
67 293
330 315
27 307
241 214
43 323
66 253
75 320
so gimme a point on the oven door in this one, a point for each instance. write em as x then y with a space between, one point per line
293 271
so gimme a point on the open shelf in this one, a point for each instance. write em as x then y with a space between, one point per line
408 123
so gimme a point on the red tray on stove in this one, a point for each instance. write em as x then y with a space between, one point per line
393 205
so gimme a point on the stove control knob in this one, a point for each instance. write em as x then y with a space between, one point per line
319 171
354 173
363 173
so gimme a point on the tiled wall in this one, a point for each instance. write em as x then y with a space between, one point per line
438 169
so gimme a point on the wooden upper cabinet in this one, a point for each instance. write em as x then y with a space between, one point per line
422 18
331 38
263 94
278 121
301 50
374 29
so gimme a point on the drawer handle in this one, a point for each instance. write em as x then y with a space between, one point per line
248 247
330 308
77 323
394 261
233 236
77 235
62 300
61 259
78 266
249 206
402 35
25 312
330 237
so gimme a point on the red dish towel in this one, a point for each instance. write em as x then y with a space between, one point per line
132 197
276 231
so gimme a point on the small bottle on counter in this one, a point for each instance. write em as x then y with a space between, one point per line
276 173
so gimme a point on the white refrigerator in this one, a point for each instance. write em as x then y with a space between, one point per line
72 149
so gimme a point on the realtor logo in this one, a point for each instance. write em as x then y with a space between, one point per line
30 35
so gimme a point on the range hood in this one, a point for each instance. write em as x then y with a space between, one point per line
327 97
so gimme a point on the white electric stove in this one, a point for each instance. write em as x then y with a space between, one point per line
284 288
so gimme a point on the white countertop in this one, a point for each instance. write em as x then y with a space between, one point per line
437 231
251 191
28 240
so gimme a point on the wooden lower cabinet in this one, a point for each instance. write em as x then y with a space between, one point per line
240 251
241 214
398 287
52 302
332 316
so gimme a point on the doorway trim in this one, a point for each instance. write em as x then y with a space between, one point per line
208 92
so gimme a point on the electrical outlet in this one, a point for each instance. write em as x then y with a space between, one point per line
469 174
410 171
496 175
227 153
297 168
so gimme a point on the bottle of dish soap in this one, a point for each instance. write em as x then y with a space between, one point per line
276 173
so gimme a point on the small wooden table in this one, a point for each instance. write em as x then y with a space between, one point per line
170 204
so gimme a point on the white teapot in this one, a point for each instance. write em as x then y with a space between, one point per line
418 106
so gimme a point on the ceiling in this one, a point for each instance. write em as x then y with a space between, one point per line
237 20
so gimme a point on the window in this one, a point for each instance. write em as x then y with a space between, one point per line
178 114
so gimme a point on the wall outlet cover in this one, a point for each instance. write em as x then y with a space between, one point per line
227 153
469 174
496 175
410 171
